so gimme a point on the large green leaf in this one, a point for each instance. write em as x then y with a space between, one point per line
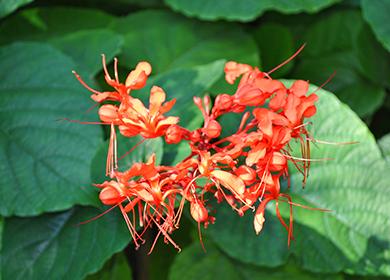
354 236
116 268
84 40
244 10
236 237
158 267
43 23
1 246
88 56
348 171
8 6
46 163
193 263
342 43
55 246
377 15
169 41
384 144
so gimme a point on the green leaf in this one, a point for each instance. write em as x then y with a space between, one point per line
384 144
158 267
188 43
88 57
244 10
1 246
116 268
363 97
130 151
354 236
376 14
8 6
289 271
43 23
1 232
341 43
276 44
348 170
193 263
84 40
173 154
46 162
373 58
357 232
55 246
142 3
350 251
236 237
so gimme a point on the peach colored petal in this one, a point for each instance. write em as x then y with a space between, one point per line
137 78
233 70
157 97
258 222
254 155
108 113
230 181
198 212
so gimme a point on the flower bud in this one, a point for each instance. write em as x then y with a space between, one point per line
137 78
110 196
248 95
258 222
223 101
198 212
278 162
174 134
108 113
213 129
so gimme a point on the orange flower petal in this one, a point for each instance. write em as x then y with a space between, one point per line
108 113
230 181
198 212
233 70
157 97
254 155
137 78
299 88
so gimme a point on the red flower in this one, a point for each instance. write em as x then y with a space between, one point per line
244 168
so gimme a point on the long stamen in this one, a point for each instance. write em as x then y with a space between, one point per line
132 149
116 70
326 82
98 216
84 84
333 143
312 159
105 67
288 60
81 122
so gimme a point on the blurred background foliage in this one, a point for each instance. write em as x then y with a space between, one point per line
48 165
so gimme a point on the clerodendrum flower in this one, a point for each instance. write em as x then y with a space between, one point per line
243 169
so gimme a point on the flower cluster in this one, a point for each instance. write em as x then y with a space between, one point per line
243 169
